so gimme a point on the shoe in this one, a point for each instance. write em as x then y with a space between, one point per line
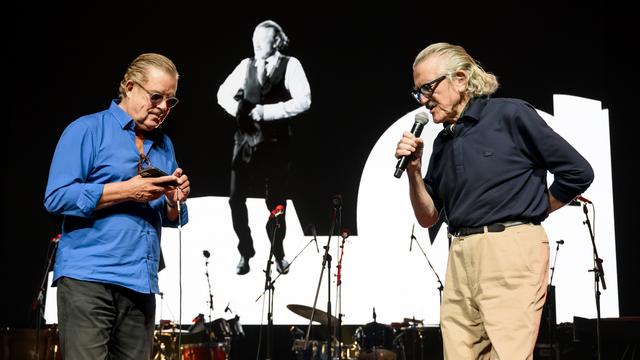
243 265
282 266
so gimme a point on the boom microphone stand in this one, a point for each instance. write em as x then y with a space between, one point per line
598 272
440 287
313 231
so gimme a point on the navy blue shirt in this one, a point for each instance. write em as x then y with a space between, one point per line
494 166
119 244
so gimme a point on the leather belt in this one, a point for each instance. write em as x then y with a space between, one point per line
495 227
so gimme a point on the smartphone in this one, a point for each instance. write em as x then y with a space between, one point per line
155 172
152 172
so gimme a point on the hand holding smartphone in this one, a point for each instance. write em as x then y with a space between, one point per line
155 172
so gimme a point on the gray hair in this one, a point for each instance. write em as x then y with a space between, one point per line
139 67
456 59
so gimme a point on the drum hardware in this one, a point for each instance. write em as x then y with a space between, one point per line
318 350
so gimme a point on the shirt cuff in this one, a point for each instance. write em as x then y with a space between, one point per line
89 198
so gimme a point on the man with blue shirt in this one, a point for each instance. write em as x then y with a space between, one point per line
487 179
107 261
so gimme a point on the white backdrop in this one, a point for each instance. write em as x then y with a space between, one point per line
378 270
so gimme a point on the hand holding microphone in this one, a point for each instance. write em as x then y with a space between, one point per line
407 144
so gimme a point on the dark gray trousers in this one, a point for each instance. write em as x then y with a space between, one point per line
104 321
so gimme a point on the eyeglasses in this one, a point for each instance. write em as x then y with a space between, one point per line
157 98
427 89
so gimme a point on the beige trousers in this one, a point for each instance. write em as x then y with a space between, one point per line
495 288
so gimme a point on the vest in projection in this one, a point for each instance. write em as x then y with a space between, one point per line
272 91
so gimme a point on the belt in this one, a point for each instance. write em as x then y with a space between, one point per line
495 227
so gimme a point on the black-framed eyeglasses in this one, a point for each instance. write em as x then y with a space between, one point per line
427 89
157 98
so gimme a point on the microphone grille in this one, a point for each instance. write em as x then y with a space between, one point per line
422 117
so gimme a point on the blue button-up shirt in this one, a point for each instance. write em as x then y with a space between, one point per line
119 244
494 166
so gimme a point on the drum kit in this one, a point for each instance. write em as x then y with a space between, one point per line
373 341
202 341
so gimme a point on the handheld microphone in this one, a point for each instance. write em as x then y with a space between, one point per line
421 119
344 233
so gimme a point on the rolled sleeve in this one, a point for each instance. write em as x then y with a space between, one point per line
89 197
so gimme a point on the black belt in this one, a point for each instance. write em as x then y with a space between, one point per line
495 227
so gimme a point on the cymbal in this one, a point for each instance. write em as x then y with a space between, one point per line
305 311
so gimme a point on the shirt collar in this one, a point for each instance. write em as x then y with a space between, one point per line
475 107
124 119
271 59
471 113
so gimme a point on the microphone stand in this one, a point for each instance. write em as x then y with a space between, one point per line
326 262
440 287
39 302
207 329
268 286
552 293
598 274
206 273
344 234
290 263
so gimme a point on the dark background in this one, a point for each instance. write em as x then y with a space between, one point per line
66 60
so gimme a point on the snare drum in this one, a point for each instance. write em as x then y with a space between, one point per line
204 351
